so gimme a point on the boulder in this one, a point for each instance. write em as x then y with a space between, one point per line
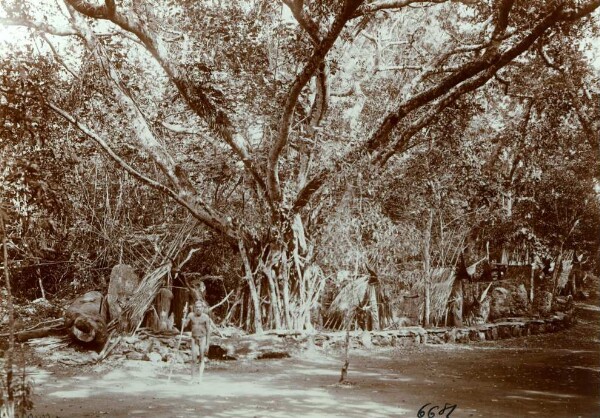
134 355
123 283
520 301
545 306
153 357
500 303
366 340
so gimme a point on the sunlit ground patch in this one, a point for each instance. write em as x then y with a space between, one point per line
524 398
72 393
226 396
550 394
318 372
395 378
37 375
593 369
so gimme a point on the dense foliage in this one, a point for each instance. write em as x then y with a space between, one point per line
305 138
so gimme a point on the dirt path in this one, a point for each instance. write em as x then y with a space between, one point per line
556 375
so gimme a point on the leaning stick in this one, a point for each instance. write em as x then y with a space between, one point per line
183 318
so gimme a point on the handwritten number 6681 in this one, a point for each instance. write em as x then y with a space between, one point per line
431 414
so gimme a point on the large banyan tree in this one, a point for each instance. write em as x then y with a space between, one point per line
247 113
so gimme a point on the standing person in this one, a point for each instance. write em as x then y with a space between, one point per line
201 324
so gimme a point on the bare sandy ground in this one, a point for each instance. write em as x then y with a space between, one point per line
553 375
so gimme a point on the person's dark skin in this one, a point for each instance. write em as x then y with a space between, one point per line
201 324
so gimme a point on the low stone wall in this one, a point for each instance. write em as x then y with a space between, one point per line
281 344
509 328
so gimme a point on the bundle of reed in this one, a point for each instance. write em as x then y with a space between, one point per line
350 295
134 311
441 287
357 295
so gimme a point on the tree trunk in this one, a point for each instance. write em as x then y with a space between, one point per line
275 311
8 367
236 305
427 269
456 307
286 291
557 271
253 293
375 325
532 284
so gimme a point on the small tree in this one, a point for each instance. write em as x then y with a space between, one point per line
15 391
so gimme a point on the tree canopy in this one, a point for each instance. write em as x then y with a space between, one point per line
262 120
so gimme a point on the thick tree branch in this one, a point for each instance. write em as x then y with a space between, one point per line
182 191
40 26
180 129
471 84
320 104
589 125
305 22
307 73
312 29
321 101
144 133
377 5
468 70
195 96
186 130
206 216
470 77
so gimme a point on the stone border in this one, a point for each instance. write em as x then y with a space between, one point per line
283 344
409 336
